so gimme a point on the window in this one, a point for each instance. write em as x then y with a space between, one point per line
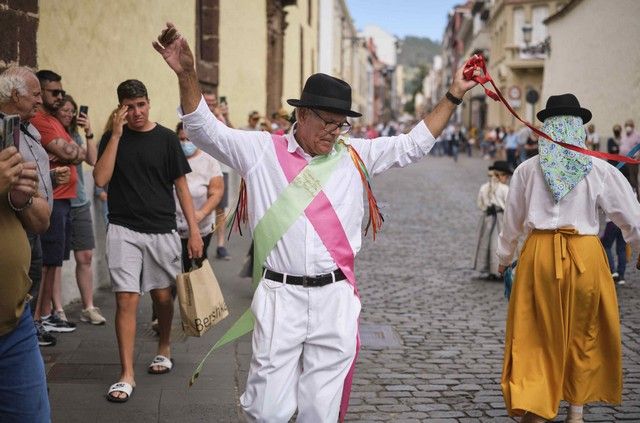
540 13
518 23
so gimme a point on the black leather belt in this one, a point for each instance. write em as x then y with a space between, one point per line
306 281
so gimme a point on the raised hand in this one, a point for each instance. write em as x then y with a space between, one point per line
460 84
118 121
174 49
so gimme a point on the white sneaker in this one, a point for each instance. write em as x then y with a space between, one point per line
93 316
615 275
621 282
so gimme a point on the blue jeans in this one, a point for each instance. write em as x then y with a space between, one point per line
23 385
613 234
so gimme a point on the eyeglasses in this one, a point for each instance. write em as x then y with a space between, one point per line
56 93
343 127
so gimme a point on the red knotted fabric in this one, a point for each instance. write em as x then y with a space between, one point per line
477 62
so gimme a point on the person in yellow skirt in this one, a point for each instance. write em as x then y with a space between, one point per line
563 329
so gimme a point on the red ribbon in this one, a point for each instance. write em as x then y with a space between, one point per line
477 62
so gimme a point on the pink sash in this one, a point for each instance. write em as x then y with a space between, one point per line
325 221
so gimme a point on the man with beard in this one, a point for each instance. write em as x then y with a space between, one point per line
63 151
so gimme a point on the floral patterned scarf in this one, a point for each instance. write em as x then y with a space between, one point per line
561 167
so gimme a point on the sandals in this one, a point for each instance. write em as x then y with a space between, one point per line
160 360
125 387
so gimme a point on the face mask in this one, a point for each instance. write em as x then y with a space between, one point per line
188 148
628 129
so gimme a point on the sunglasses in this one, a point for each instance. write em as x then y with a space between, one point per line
56 93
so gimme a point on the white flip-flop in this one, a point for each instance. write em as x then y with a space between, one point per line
160 360
125 387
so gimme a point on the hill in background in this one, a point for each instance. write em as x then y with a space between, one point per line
416 51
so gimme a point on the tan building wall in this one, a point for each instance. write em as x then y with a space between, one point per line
300 48
510 71
243 56
96 44
601 67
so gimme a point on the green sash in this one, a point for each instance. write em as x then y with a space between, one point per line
287 208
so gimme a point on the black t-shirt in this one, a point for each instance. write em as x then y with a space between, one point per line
140 194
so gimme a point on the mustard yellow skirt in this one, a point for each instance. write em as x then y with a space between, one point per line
563 328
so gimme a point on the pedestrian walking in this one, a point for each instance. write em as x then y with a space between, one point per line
142 162
306 306
613 235
206 187
629 140
563 330
219 109
492 199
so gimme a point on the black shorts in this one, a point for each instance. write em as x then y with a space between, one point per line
82 228
56 242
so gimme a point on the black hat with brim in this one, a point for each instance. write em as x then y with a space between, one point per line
564 105
501 166
324 92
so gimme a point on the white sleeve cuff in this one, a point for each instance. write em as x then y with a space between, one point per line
422 135
195 118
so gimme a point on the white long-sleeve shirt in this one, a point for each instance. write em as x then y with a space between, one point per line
300 251
530 205
496 196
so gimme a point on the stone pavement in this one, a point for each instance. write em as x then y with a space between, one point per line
432 335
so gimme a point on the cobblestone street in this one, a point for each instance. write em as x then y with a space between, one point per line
416 278
432 335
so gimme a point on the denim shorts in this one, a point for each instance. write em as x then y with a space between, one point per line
23 385
56 241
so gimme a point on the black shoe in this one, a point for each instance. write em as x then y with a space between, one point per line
222 254
54 323
45 339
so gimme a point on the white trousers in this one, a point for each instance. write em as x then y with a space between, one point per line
304 342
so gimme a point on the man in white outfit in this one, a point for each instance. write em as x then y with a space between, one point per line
306 305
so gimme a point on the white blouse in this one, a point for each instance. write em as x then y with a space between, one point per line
203 168
496 196
530 205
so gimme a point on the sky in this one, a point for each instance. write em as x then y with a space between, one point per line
420 18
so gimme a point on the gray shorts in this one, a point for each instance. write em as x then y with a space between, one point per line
82 228
140 262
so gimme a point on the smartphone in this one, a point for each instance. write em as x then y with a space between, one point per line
83 110
223 99
10 131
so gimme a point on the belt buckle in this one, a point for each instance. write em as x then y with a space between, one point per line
305 282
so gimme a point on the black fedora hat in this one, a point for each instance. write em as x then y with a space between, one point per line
564 105
324 92
501 166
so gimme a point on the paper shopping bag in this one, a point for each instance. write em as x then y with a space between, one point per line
201 302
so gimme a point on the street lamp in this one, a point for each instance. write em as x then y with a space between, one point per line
536 50
527 30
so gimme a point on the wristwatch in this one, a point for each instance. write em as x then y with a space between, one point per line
452 98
